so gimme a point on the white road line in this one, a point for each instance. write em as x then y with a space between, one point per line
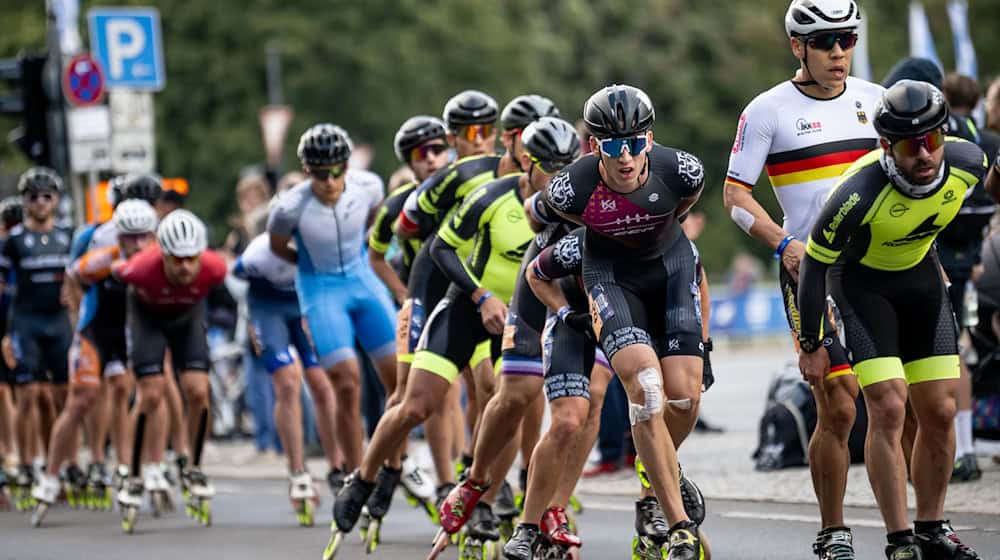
778 516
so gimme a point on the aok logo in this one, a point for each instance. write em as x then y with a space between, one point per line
805 127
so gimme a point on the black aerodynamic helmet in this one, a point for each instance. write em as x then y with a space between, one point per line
526 109
39 179
11 211
552 141
617 111
910 108
324 144
414 132
470 107
143 186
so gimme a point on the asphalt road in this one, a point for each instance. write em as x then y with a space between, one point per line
253 520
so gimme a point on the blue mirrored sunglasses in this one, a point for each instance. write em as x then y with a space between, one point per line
612 147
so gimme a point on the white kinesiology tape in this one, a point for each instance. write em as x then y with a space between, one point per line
652 390
743 218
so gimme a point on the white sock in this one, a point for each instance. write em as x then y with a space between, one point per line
963 433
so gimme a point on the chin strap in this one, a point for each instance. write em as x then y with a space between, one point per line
900 181
805 63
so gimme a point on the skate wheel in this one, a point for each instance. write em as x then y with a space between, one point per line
441 541
336 539
205 513
706 549
371 540
156 498
39 514
128 519
305 513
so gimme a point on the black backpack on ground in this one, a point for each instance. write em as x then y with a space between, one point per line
789 420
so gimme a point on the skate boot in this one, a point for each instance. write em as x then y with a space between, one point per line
560 541
120 477
694 502
302 493
335 478
181 463
454 511
482 535
159 489
835 543
23 483
942 543
45 493
378 505
440 493
507 510
418 488
75 485
966 469
98 487
129 502
651 529
199 493
904 551
686 543
346 510
523 544
522 486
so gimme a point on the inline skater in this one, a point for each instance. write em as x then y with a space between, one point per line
889 288
167 285
276 325
421 144
98 348
806 132
493 218
629 194
521 369
37 252
327 216
469 118
11 214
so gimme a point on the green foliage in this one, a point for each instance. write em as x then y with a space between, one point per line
370 65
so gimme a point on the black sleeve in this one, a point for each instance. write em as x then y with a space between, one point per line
452 266
967 157
382 233
689 172
812 297
564 258
570 190
7 259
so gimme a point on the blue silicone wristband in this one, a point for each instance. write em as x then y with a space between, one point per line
482 300
563 312
781 246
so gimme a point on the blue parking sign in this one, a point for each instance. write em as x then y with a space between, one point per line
127 43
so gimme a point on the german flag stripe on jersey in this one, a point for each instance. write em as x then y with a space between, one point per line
730 180
814 163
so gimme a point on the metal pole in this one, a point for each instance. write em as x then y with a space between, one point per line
274 97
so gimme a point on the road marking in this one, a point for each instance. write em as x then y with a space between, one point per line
813 519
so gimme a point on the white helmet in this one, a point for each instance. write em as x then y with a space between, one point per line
182 234
810 16
135 216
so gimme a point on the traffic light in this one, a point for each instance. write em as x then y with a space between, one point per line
27 100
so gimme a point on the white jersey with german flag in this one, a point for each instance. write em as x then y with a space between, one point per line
805 144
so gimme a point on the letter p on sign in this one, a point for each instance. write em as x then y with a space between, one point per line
127 43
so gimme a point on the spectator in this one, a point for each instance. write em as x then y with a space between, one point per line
252 194
993 106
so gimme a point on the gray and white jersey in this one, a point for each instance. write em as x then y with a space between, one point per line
329 239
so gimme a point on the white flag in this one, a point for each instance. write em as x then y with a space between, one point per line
861 66
921 41
965 51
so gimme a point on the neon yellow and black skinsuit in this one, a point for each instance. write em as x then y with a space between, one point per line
428 207
492 217
886 281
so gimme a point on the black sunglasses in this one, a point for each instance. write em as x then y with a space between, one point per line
826 41
46 196
321 173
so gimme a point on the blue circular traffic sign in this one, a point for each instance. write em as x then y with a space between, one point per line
83 81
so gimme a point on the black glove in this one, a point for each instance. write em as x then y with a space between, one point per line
579 321
707 377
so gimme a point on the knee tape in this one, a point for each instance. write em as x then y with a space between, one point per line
652 389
